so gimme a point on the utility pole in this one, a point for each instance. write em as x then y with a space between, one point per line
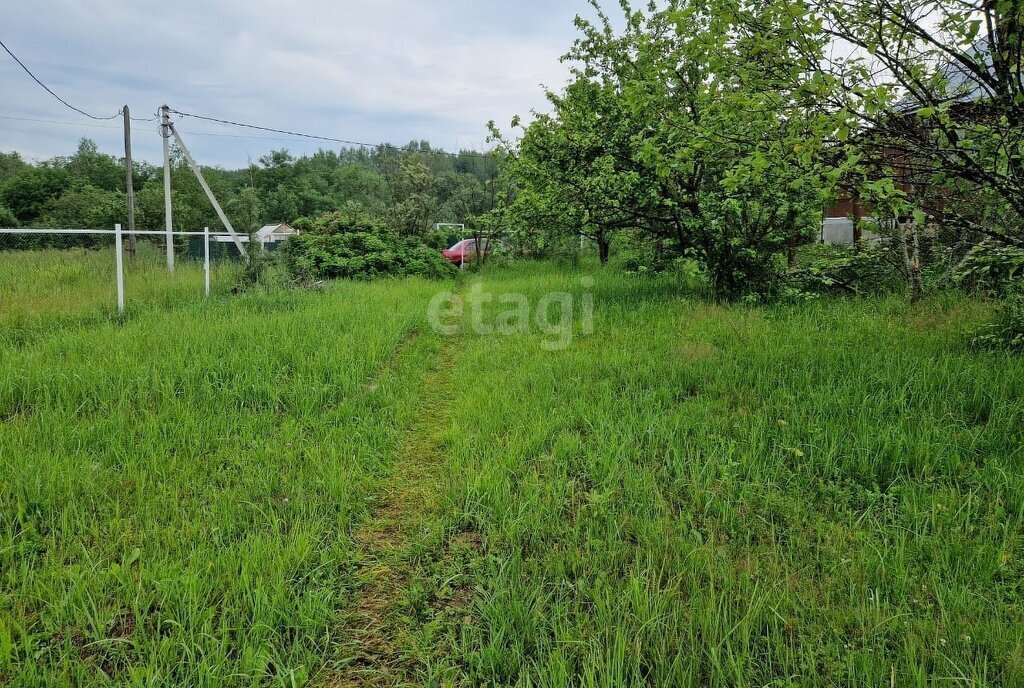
209 193
128 183
165 132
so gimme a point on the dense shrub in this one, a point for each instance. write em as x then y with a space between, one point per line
991 268
639 254
262 268
27 193
354 246
826 269
7 218
1007 331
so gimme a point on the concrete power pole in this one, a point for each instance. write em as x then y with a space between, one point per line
165 132
129 186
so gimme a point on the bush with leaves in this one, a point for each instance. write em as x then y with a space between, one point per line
355 246
258 268
7 218
991 267
854 270
1007 331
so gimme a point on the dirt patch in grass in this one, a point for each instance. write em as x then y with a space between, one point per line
122 626
17 413
695 351
468 540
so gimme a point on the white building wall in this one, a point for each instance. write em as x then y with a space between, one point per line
837 230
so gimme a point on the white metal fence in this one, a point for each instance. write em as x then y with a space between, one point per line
16 253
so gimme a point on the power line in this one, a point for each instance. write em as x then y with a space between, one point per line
317 137
50 91
346 142
253 137
117 127
216 134
57 121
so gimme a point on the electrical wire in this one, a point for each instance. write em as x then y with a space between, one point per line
50 91
57 121
242 136
117 127
346 142
317 137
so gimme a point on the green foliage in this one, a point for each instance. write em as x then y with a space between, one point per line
94 168
28 192
672 128
1007 331
84 206
991 267
7 218
259 268
411 188
933 101
857 270
355 246
10 165
245 210
637 253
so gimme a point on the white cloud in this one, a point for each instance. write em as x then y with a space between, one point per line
391 70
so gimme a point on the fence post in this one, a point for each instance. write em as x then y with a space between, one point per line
206 258
119 263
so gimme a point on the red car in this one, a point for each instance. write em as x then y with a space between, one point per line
465 251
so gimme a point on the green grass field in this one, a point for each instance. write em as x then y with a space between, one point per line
305 488
42 290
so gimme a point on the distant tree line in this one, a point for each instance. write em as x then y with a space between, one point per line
407 189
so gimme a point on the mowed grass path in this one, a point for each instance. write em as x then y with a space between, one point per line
824 494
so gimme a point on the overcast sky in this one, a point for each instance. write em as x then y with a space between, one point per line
371 70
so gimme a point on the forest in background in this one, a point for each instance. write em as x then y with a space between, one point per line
407 188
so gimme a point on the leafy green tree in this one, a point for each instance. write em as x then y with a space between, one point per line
360 184
27 192
85 206
10 165
474 202
414 198
674 127
933 93
7 218
245 210
93 168
576 166
410 187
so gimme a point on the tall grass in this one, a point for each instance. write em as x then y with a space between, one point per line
177 491
825 494
44 288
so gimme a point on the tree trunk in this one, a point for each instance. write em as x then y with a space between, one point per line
603 247
911 254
